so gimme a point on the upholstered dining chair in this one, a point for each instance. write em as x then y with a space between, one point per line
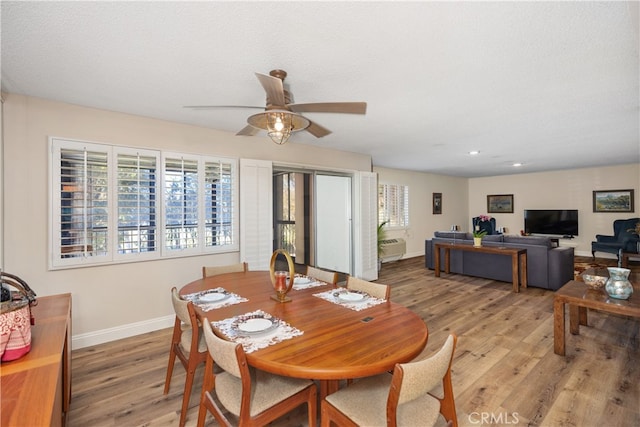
377 290
419 393
325 276
188 345
255 397
222 269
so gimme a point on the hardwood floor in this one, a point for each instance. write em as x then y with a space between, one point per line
504 371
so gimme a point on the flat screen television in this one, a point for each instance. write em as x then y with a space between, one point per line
561 222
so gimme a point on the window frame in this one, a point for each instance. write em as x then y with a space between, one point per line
114 254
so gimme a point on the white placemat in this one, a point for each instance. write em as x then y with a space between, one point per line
305 282
333 296
206 306
252 343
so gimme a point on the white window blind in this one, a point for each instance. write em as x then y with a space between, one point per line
393 205
219 196
137 202
181 203
81 189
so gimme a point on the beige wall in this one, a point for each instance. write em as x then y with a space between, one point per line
568 189
466 198
108 300
422 221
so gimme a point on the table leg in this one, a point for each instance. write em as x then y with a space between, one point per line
582 316
515 279
327 387
558 326
523 270
574 322
436 256
447 260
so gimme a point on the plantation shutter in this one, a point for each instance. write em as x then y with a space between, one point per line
220 213
180 203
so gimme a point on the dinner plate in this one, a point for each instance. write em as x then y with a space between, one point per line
353 296
301 280
214 296
255 324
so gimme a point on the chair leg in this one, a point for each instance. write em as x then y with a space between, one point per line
172 361
188 385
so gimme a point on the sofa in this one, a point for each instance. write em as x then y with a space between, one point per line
548 266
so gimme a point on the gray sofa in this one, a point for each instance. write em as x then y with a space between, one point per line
548 267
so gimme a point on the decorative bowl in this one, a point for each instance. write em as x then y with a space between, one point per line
593 281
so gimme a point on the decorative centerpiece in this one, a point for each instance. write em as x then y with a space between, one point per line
618 286
279 278
594 281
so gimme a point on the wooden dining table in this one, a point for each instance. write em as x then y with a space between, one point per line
337 342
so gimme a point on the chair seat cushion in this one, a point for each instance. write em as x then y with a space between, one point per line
185 341
266 390
365 402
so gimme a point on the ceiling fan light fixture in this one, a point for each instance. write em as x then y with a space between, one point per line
279 124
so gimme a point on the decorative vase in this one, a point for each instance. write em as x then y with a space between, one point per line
477 242
279 278
618 285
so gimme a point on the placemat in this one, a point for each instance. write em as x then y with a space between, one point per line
311 284
332 296
252 343
207 306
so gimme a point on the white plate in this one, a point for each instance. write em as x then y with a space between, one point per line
301 280
257 324
352 296
214 297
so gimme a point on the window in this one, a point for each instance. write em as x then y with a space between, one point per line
393 205
115 204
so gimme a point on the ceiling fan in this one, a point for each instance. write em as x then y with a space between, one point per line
280 117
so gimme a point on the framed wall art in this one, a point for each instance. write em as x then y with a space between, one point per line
437 203
613 201
500 203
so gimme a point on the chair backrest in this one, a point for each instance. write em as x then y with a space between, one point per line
325 276
181 307
224 353
488 226
377 290
621 228
415 379
222 269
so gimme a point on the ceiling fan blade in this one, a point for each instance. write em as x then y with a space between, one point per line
317 130
212 107
248 130
330 107
274 88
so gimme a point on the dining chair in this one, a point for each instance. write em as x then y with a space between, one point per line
377 290
254 396
222 269
419 393
325 276
188 345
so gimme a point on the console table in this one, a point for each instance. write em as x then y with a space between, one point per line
36 389
518 260
580 297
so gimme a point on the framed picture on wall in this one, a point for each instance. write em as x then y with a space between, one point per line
437 203
500 203
613 201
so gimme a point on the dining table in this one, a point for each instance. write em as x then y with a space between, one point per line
336 343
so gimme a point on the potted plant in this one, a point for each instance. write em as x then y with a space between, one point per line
382 234
477 237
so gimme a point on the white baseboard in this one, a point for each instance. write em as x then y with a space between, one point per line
119 332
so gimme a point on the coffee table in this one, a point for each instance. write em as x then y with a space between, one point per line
579 297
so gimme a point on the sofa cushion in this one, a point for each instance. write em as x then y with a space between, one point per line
493 238
459 235
528 240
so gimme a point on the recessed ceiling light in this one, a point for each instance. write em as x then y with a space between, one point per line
474 152
517 165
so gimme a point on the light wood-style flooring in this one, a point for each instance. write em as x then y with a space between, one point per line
505 372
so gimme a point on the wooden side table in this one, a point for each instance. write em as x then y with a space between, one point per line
624 258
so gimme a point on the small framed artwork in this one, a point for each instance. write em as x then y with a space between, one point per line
613 201
500 203
437 203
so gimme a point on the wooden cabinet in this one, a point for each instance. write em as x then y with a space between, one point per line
36 389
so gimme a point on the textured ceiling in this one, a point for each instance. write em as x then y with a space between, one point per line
554 85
